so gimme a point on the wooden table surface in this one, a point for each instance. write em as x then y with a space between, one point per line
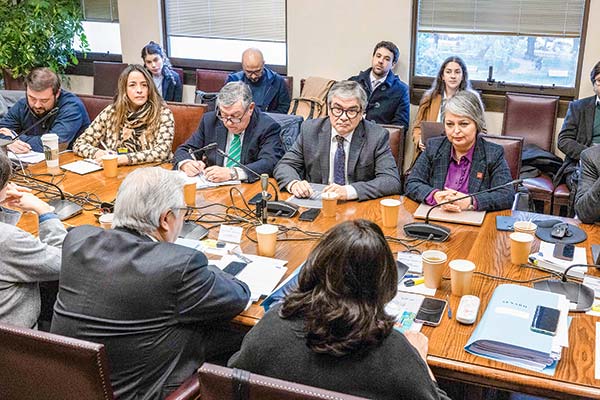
488 248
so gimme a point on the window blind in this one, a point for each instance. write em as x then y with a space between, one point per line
100 10
260 20
507 17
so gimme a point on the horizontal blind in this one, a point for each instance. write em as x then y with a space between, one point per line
508 17
100 10
261 20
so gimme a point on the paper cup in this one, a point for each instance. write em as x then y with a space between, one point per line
461 275
110 165
433 267
266 236
525 227
389 212
329 202
189 193
520 247
106 220
50 144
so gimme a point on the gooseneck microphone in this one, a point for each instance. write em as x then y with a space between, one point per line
575 292
209 146
64 208
6 142
438 233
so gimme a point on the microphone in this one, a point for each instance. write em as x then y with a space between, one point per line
6 142
438 233
578 293
264 183
278 208
209 146
64 208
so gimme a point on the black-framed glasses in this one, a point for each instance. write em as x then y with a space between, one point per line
256 72
351 113
188 210
233 120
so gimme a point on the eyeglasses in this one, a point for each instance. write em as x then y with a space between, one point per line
351 113
188 210
256 72
232 120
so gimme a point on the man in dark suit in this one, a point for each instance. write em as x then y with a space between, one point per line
241 130
388 100
158 307
580 130
350 155
587 197
268 87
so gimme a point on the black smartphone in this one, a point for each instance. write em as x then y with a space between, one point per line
235 267
564 251
545 320
310 214
257 198
431 311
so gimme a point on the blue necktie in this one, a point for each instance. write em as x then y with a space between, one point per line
339 162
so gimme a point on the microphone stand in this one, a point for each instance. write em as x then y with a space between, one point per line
575 292
429 231
6 142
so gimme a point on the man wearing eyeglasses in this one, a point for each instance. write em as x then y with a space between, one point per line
159 308
269 90
580 130
349 154
247 135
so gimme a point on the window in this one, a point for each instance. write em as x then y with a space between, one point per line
221 30
527 43
101 25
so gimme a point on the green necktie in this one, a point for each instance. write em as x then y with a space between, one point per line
235 150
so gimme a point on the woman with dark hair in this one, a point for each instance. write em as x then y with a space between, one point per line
166 80
332 330
451 78
138 125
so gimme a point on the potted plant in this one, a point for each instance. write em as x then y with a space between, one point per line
38 33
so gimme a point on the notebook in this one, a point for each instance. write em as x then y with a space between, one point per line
464 217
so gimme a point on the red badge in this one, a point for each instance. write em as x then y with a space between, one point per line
480 175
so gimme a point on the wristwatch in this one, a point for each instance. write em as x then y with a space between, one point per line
233 175
471 207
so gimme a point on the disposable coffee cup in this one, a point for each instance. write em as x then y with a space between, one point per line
461 275
110 165
433 267
50 144
525 227
389 212
106 220
266 236
520 247
329 202
189 193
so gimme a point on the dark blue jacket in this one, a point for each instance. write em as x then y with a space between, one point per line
275 96
261 146
71 120
172 88
488 169
389 103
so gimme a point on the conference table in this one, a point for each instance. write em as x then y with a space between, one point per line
487 247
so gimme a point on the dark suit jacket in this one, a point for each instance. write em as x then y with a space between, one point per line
488 169
172 88
587 197
261 148
372 170
150 303
576 133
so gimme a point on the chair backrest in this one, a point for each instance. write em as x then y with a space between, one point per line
41 365
187 118
513 150
397 139
532 117
221 383
106 76
210 80
94 104
290 127
431 129
179 72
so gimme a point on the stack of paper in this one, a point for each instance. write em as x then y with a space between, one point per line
202 182
504 332
544 259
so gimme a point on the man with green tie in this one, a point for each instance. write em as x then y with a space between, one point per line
238 129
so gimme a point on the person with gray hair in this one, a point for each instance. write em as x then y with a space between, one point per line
461 162
343 151
238 128
159 308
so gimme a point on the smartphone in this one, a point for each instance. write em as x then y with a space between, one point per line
564 251
545 320
431 311
310 214
257 198
234 267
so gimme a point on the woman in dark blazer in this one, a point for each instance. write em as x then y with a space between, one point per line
461 162
167 81
332 330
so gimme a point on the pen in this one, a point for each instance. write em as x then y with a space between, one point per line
411 276
105 147
413 282
449 308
